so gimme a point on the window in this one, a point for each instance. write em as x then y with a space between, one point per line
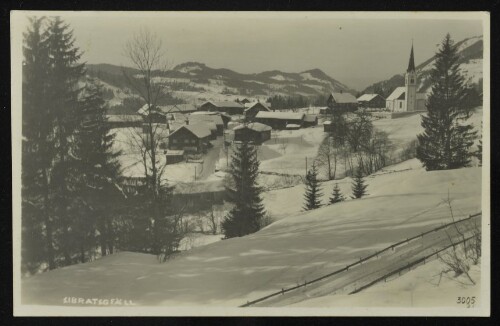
400 105
186 141
412 81
193 141
174 141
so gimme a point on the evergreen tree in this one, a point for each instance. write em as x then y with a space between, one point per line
358 185
245 217
37 221
447 137
62 84
336 195
97 172
313 190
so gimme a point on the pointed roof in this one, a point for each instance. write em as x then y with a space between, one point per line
411 63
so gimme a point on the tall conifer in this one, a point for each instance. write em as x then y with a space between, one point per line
313 190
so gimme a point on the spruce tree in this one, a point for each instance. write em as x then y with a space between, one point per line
62 95
447 137
244 192
336 195
97 171
37 151
313 190
358 185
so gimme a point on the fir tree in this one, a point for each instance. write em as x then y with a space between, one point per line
447 137
358 185
245 217
336 195
313 190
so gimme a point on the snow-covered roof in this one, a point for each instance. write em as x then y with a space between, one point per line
175 152
397 93
344 98
367 97
327 123
292 125
310 117
280 115
124 118
214 118
225 104
177 108
248 106
257 126
200 130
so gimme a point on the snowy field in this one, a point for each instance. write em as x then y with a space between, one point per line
299 246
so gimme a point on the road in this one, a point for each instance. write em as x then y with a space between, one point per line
210 160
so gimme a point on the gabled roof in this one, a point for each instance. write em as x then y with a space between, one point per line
342 98
397 94
225 104
177 108
257 126
200 130
367 97
280 115
145 111
214 118
248 106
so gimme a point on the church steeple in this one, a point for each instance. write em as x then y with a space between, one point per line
411 63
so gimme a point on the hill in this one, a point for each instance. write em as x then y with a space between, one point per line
301 246
470 53
195 82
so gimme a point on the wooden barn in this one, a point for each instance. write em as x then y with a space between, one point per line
223 107
251 110
342 101
192 138
280 120
195 196
310 120
155 115
253 132
174 156
124 121
371 101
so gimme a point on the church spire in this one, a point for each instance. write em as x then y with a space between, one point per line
411 63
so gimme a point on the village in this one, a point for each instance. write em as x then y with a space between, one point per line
186 185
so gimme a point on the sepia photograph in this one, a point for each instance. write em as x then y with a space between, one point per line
250 163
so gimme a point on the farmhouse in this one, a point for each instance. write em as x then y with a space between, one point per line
371 101
194 138
225 107
178 108
210 117
251 110
254 132
342 101
124 120
280 120
155 115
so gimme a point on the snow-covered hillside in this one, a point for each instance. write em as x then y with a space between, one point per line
301 245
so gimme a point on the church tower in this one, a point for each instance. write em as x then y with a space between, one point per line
411 84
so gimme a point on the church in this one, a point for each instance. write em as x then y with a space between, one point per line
406 98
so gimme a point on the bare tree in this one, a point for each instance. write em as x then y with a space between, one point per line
145 52
327 156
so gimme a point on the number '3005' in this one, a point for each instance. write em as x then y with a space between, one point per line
468 301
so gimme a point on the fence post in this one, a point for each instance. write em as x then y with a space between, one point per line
282 291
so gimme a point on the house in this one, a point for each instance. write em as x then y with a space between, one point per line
280 119
251 110
154 115
342 101
253 132
210 117
178 108
223 107
132 185
193 197
406 98
174 156
371 101
124 120
310 120
193 138
245 101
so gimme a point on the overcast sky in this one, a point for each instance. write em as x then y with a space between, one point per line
356 51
